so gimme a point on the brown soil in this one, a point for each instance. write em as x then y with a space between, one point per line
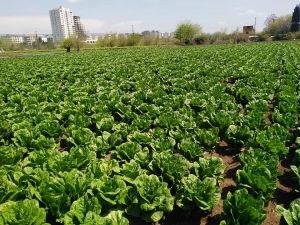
267 118
107 157
283 194
63 143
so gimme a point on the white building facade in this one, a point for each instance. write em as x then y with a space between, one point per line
15 39
62 23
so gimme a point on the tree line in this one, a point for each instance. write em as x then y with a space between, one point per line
284 27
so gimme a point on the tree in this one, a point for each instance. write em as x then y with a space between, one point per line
270 19
68 41
1 44
186 31
150 40
133 40
295 19
50 44
73 41
281 25
238 36
121 40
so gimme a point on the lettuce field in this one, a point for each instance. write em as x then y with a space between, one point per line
183 135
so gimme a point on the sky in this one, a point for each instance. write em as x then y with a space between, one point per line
119 16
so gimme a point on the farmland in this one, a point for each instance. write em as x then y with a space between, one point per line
196 135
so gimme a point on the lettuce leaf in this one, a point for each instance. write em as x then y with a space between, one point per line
22 212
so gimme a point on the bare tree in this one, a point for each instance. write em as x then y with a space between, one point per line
270 19
281 25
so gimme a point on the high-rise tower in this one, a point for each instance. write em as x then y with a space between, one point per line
62 23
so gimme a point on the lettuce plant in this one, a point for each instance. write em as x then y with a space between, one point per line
108 190
295 176
11 155
208 167
192 193
168 167
272 140
81 210
242 208
149 198
127 151
190 149
258 157
22 212
258 180
207 138
291 215
237 136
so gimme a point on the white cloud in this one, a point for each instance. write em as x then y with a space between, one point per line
74 1
126 27
25 24
93 25
251 12
221 23
261 14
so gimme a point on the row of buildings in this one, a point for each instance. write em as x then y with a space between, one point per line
157 34
25 38
64 25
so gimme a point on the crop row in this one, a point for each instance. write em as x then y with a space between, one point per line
100 137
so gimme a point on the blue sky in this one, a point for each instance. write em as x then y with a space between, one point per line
106 16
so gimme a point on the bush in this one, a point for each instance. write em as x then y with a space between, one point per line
199 40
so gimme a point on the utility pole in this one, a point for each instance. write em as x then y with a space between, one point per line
36 40
132 31
255 26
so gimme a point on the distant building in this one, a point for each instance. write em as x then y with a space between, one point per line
155 34
248 29
172 34
25 38
49 38
79 28
146 32
11 38
92 39
62 23
29 38
165 35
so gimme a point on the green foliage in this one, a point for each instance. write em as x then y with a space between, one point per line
295 19
22 212
258 157
208 167
258 180
281 25
11 155
68 41
193 193
149 198
186 31
273 140
116 130
242 208
291 215
237 136
168 167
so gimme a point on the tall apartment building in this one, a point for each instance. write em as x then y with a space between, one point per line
62 23
79 28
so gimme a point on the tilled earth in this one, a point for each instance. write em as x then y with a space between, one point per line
283 195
